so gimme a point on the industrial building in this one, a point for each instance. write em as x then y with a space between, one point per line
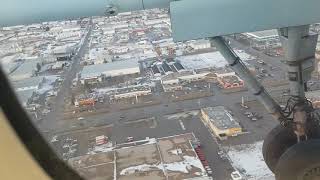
163 158
200 44
65 52
220 122
178 83
130 92
193 78
229 80
208 61
165 68
171 85
263 40
96 73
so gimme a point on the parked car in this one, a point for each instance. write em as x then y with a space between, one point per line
263 70
235 175
250 115
254 119
209 173
220 153
129 139
80 118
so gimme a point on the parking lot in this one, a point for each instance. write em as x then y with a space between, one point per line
166 124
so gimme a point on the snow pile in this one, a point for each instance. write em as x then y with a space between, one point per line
151 141
185 165
135 143
140 168
248 159
176 151
182 166
178 167
193 161
183 115
54 139
102 148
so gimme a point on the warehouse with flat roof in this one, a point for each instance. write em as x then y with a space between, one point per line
220 122
263 35
118 68
264 39
207 61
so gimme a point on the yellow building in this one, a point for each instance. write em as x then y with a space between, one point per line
220 121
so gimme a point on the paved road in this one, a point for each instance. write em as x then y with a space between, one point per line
221 168
227 100
53 117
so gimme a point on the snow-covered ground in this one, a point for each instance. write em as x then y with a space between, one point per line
102 148
48 84
110 147
182 166
54 139
248 159
183 115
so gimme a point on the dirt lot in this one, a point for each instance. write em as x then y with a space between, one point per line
141 123
84 139
144 154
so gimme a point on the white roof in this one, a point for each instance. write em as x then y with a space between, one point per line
193 76
264 34
111 69
208 60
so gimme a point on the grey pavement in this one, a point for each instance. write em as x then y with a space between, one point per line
50 121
